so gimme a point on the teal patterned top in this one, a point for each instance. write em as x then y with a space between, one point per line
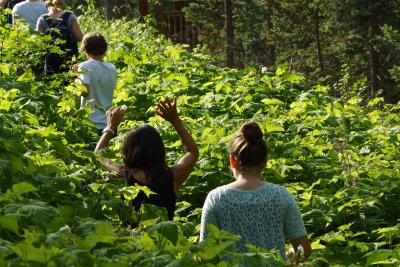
261 217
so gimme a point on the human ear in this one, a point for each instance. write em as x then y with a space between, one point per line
232 161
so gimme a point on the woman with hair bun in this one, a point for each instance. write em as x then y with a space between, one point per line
261 213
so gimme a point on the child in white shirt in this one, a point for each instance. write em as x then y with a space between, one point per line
99 77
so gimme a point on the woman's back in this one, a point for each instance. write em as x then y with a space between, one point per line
144 156
164 192
262 217
261 213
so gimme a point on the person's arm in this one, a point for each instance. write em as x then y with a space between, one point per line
305 243
294 228
114 118
14 15
40 25
208 216
186 163
76 30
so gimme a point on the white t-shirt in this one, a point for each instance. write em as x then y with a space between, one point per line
29 12
102 79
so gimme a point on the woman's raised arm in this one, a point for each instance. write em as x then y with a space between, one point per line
186 163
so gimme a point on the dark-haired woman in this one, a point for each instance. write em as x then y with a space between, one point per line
261 213
144 157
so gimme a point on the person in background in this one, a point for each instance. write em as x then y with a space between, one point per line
29 11
144 157
9 4
55 12
99 77
261 213
63 25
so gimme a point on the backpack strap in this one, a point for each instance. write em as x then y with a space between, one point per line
48 20
65 17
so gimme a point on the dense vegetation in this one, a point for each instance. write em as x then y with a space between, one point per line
58 207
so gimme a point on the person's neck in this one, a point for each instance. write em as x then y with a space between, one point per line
248 179
97 58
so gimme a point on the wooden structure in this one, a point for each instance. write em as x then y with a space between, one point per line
171 22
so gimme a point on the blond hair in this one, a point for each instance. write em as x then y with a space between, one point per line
54 3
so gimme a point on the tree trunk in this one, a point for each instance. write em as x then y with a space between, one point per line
374 57
230 55
318 39
143 9
270 25
121 8
109 11
159 16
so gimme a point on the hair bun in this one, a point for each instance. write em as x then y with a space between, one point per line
251 132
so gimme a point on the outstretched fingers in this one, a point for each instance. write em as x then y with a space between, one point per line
166 109
161 105
159 113
168 102
164 106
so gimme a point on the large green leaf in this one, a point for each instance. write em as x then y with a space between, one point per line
9 223
34 212
167 229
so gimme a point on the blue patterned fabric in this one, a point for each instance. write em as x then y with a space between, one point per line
262 217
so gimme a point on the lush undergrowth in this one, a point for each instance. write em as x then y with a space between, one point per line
58 207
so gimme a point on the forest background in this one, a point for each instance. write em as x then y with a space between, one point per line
321 39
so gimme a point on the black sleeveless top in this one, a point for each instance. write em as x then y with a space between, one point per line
165 196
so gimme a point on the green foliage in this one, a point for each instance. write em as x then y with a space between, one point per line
58 207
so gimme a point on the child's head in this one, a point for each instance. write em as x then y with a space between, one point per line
144 149
248 147
94 43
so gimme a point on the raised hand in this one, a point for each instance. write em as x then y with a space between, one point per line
186 163
114 117
167 110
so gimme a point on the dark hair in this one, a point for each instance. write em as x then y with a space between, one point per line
249 147
94 43
144 149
